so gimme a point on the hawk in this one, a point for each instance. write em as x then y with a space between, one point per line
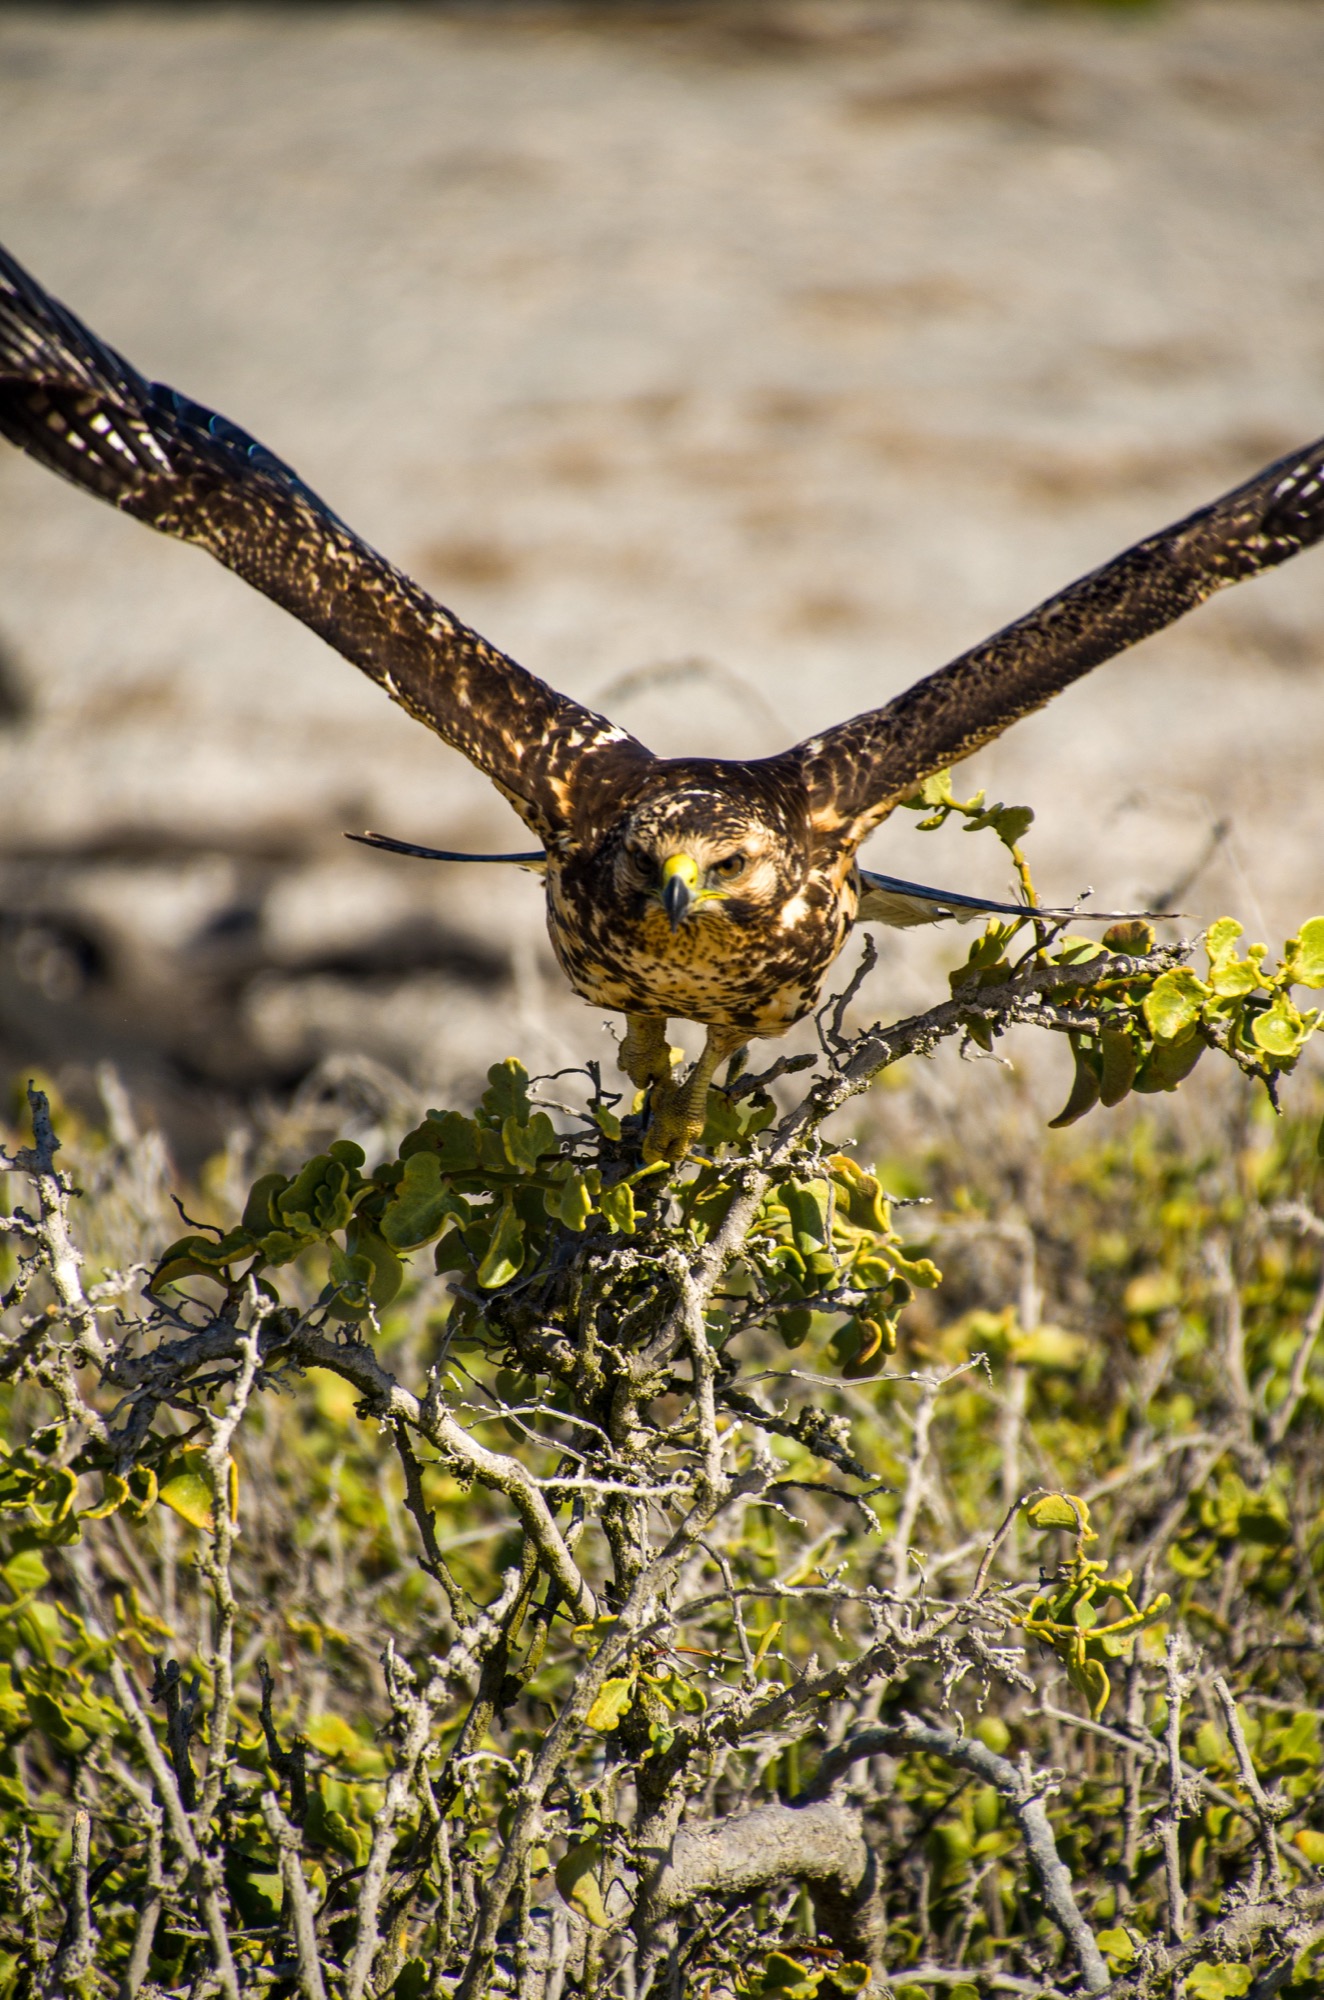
696 888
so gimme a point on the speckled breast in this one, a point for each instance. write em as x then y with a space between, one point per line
724 967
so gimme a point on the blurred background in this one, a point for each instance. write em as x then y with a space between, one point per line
731 365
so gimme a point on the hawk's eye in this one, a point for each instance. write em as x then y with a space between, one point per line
729 865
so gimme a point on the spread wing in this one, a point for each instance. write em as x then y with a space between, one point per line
81 410
857 772
886 899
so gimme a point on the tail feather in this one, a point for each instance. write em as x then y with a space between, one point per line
886 899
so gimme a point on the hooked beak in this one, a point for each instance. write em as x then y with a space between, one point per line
680 880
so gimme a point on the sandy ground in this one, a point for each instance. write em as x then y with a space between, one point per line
729 366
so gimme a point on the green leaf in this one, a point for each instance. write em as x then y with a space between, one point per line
505 1250
55 1722
281 1246
1173 1003
1012 823
387 1272
1169 1063
578 1885
507 1093
317 1201
424 1200
1120 1058
807 1207
257 1216
795 1325
328 1827
1084 1093
201 1257
613 1701
25 1571
937 791
524 1143
351 1275
1237 977
1229 976
453 1138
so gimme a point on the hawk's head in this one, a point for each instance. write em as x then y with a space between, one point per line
694 850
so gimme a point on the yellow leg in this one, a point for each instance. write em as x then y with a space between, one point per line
679 1109
645 1052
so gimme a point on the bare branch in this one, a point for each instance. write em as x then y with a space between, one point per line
1024 1794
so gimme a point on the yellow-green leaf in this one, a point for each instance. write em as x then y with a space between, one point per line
1304 957
115 1493
786 1978
1059 1510
186 1489
873 1341
1280 1031
1173 1002
1090 1679
570 1203
1133 937
1222 1981
617 1204
613 1700
1118 1944
578 1885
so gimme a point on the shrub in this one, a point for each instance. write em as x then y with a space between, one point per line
502 1567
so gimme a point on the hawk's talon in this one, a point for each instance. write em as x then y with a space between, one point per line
645 1054
680 1109
674 1128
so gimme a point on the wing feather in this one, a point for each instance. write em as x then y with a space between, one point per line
858 771
83 411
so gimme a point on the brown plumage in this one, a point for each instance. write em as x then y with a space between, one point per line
709 890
